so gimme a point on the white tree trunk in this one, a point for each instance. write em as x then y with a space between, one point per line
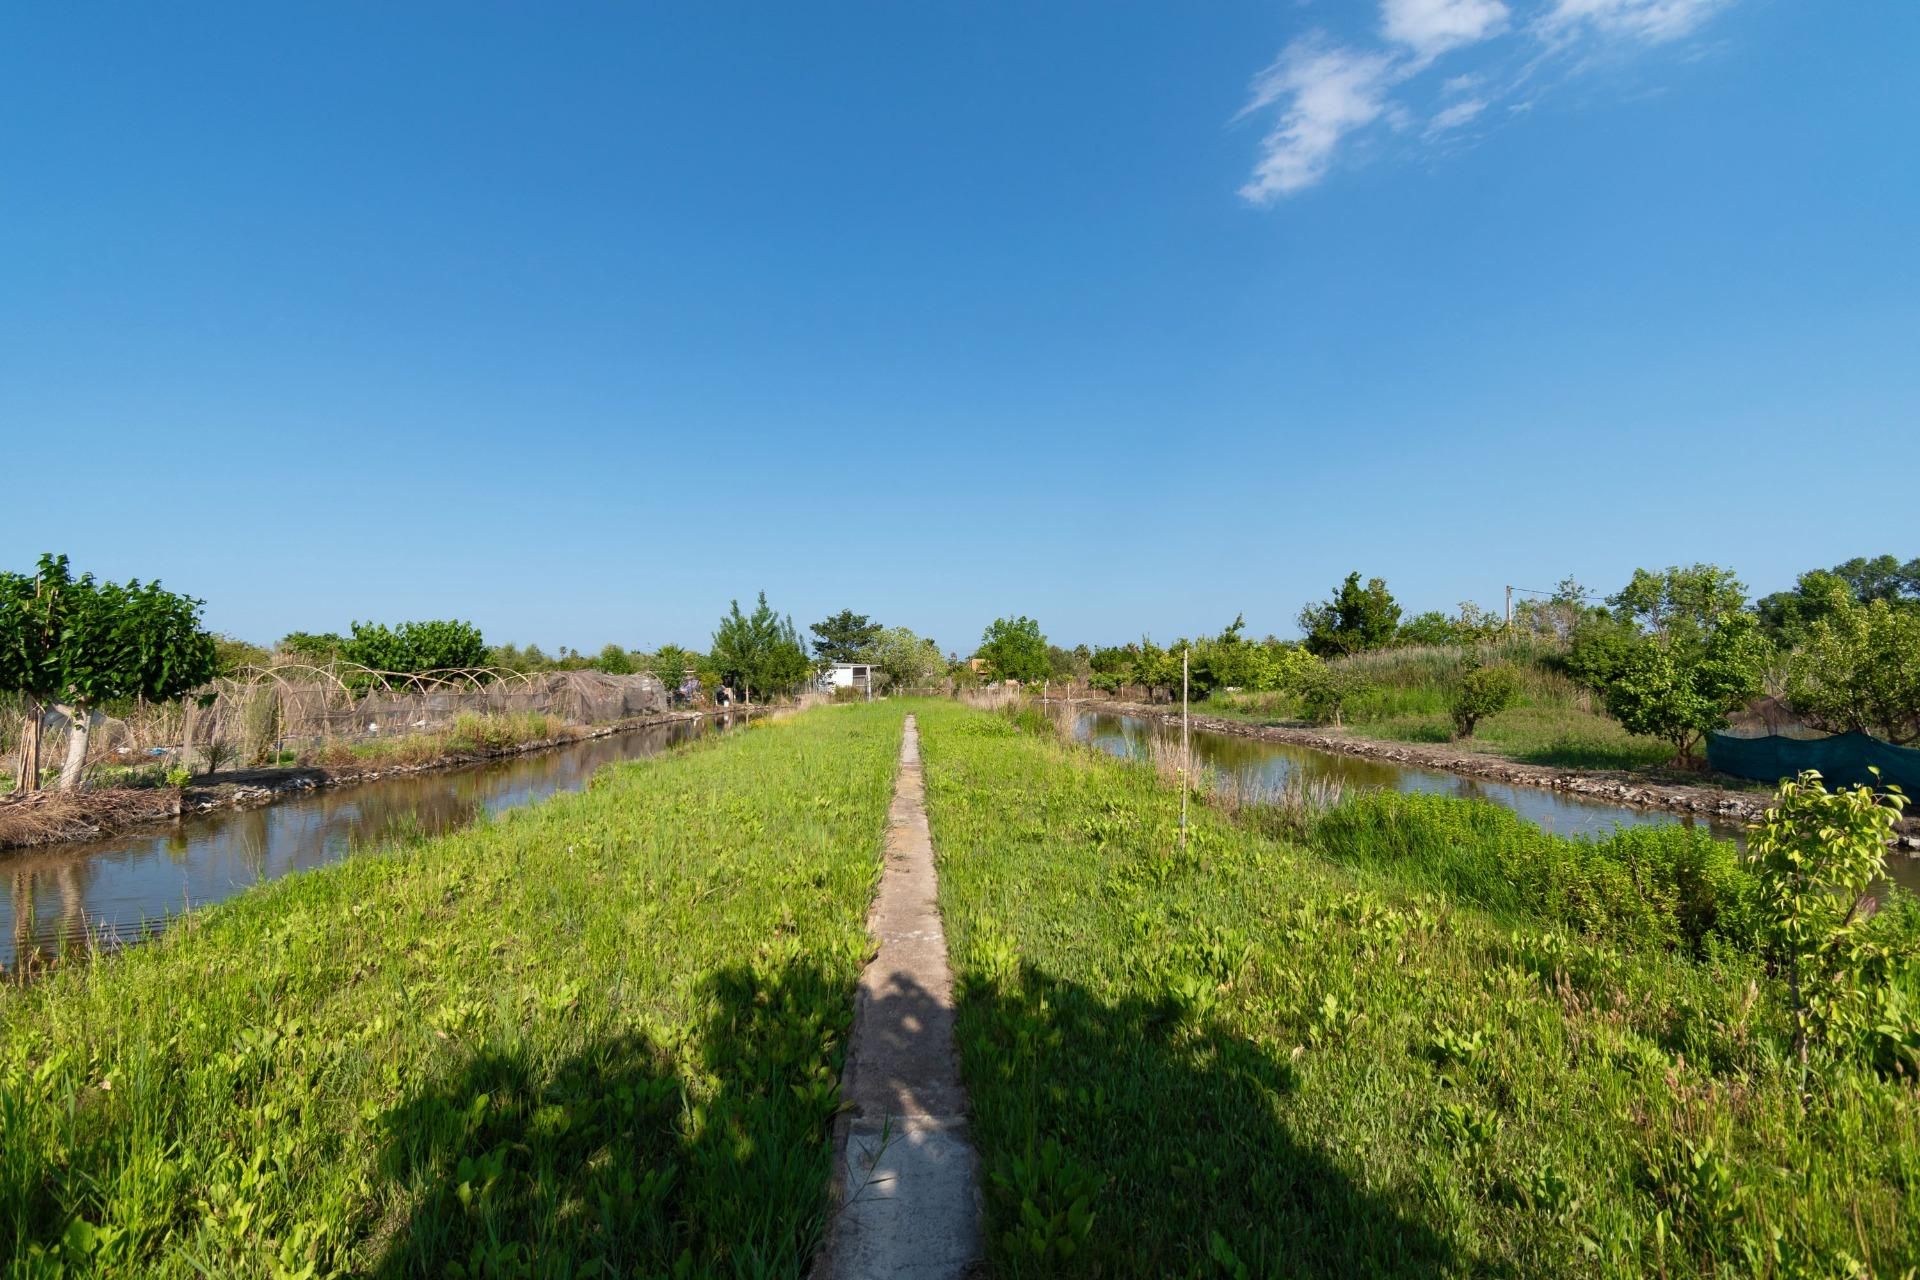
79 729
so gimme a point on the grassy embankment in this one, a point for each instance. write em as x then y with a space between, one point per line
1408 693
600 1036
1412 1036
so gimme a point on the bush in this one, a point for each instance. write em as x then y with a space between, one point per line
1325 691
1483 692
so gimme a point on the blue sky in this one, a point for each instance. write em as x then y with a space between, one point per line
578 321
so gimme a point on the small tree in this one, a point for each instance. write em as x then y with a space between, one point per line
413 647
70 644
1356 619
1815 854
1859 670
759 648
1015 649
908 661
844 636
1683 687
674 666
1326 690
1483 692
614 661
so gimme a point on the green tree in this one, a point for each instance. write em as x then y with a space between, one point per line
1815 855
311 647
70 644
759 649
671 665
1356 619
415 647
1683 686
1680 605
230 655
1484 691
614 660
907 661
1015 649
844 636
1858 670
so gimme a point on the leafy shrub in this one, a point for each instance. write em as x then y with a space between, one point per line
1483 692
1326 690
413 647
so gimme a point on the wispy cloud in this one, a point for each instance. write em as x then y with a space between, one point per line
1330 92
1323 92
1454 116
1654 21
1431 27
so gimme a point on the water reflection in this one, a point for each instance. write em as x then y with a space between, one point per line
1272 763
112 891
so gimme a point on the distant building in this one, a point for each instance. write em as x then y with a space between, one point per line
848 675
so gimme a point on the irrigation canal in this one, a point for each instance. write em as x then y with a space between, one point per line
1271 764
115 889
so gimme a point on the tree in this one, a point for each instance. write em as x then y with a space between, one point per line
844 636
1683 687
70 644
1484 691
230 655
907 661
1679 605
614 660
414 647
1356 619
322 647
674 666
1818 593
1815 855
1858 670
759 648
1014 649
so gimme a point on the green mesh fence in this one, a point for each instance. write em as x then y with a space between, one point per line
1843 760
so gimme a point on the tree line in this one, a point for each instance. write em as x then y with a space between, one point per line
1671 655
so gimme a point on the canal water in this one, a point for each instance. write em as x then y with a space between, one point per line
1271 764
115 889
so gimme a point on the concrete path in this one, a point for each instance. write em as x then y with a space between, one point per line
906 1178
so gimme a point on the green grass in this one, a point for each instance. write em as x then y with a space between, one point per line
1363 1052
1409 693
601 1036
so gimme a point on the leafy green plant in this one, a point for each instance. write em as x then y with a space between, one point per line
72 644
413 647
1483 692
1816 853
1356 618
1014 649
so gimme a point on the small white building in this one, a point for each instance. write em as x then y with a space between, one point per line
848 675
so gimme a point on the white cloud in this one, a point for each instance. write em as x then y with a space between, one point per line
1455 116
1654 21
1324 94
1431 27
1330 92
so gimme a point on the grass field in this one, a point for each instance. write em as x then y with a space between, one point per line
1357 1049
1409 692
598 1037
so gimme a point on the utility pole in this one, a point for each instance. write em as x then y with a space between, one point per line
1509 608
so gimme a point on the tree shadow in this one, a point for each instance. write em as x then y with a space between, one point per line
1165 1125
627 1156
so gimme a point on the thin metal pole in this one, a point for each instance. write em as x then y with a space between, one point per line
1186 751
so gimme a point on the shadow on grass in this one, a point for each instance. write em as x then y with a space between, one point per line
610 1161
1140 1138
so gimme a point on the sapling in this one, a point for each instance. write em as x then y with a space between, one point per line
1815 854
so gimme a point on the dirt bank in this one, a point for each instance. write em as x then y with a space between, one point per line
1619 786
55 817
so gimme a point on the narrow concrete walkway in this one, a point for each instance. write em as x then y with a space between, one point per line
906 1178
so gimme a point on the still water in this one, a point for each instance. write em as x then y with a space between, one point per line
113 890
1270 764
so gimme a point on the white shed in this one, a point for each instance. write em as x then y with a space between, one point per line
848 675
